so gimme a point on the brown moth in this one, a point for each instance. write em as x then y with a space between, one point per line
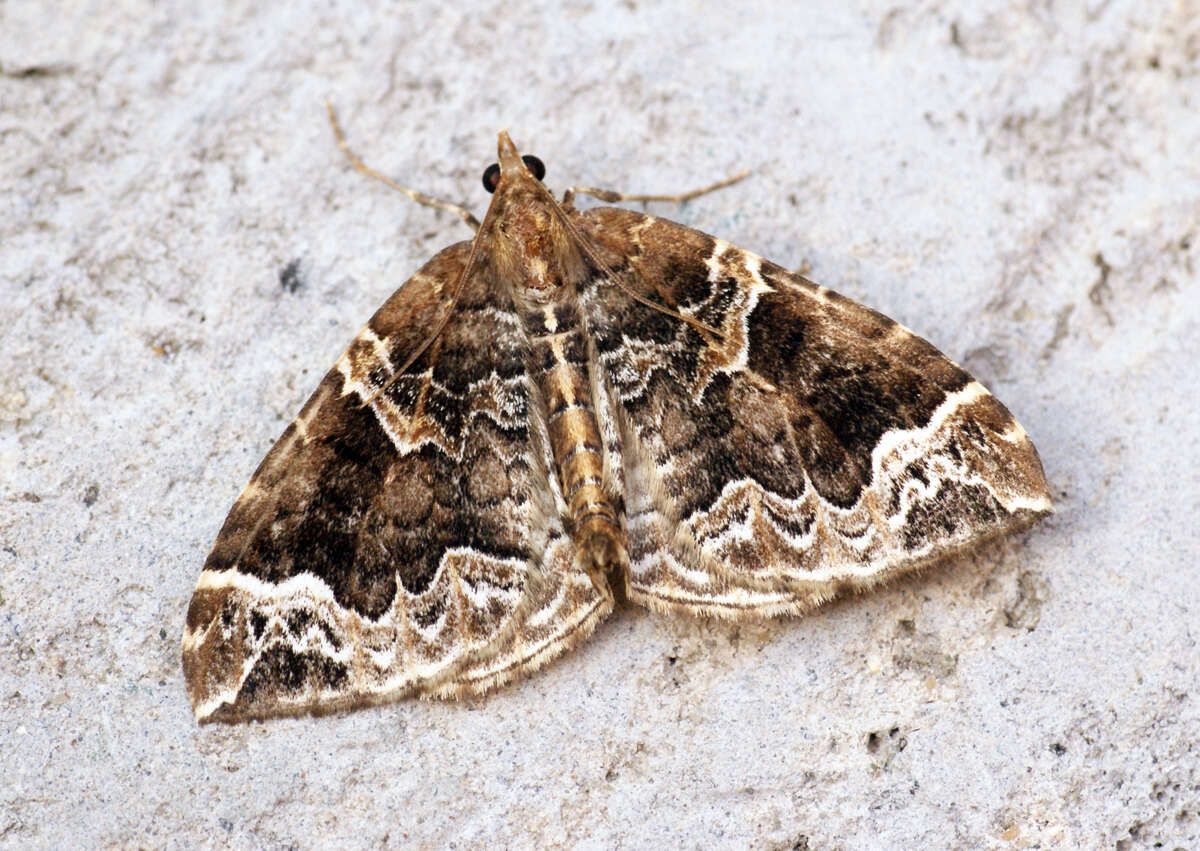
571 409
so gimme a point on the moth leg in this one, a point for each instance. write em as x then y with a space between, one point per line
610 196
420 197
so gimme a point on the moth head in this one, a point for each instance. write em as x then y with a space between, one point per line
512 165
529 243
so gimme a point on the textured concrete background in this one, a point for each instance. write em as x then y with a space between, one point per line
1017 182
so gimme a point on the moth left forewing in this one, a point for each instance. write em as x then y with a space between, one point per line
400 538
814 445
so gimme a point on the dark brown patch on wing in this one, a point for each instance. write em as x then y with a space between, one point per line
799 447
280 668
957 506
338 501
844 378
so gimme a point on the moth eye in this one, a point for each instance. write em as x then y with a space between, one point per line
491 177
536 166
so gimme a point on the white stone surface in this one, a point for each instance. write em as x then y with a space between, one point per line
1017 182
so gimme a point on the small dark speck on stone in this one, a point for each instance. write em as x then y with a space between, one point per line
30 496
91 495
895 741
226 824
162 633
289 276
33 72
1058 749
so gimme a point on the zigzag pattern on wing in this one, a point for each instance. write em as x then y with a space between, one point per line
412 545
814 445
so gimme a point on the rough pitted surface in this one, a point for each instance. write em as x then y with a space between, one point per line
183 251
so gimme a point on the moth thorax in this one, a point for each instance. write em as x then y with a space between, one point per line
533 251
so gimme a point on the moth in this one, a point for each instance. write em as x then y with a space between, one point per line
573 409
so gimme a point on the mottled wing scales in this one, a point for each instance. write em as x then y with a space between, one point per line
586 400
408 546
555 615
669 569
815 445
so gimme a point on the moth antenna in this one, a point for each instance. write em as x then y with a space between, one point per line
429 201
610 196
604 267
420 197
690 320
441 326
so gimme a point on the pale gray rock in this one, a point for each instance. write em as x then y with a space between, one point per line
184 252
